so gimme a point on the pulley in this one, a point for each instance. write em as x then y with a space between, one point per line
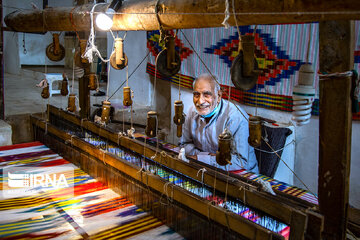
79 60
105 113
92 81
254 131
179 117
71 103
118 58
127 97
64 86
223 155
168 61
151 124
244 69
55 51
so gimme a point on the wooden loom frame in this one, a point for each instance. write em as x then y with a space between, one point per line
305 222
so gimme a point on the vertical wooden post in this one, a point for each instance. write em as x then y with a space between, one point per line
2 104
84 94
84 91
336 55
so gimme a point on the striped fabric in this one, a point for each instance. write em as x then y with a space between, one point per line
93 211
280 51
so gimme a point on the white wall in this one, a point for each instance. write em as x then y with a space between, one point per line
135 49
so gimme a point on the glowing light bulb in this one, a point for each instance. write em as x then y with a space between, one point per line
104 21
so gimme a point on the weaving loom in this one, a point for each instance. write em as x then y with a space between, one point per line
213 204
94 211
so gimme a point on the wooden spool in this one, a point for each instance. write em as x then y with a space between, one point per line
64 87
45 93
71 103
151 124
92 81
127 97
223 155
254 131
179 117
105 113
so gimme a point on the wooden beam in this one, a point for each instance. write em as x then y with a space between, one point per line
182 14
336 55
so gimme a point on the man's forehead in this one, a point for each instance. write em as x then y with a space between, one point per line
203 84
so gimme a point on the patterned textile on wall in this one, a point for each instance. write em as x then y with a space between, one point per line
280 51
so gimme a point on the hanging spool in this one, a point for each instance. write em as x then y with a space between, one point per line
127 97
179 117
151 124
244 69
79 60
105 113
168 61
92 81
64 87
55 51
254 131
223 155
118 58
71 103
45 93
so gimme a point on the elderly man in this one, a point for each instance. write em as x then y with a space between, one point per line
209 116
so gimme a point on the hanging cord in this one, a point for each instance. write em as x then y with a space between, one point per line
73 24
73 76
236 22
90 48
153 100
131 74
308 46
25 51
161 29
226 188
227 15
211 72
272 149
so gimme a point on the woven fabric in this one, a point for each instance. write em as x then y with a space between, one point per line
280 51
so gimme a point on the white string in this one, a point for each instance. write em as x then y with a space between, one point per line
227 15
73 76
203 170
91 48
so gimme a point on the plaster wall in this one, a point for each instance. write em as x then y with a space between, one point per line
135 49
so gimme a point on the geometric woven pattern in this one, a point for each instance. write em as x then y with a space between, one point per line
155 47
275 64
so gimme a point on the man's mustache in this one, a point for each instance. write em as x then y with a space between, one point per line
204 105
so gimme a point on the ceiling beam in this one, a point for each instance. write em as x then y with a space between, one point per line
182 14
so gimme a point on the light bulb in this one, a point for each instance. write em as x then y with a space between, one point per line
303 95
104 21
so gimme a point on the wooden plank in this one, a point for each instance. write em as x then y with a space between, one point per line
220 215
84 95
315 226
336 54
298 225
182 14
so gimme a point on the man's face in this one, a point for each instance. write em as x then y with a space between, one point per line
204 97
